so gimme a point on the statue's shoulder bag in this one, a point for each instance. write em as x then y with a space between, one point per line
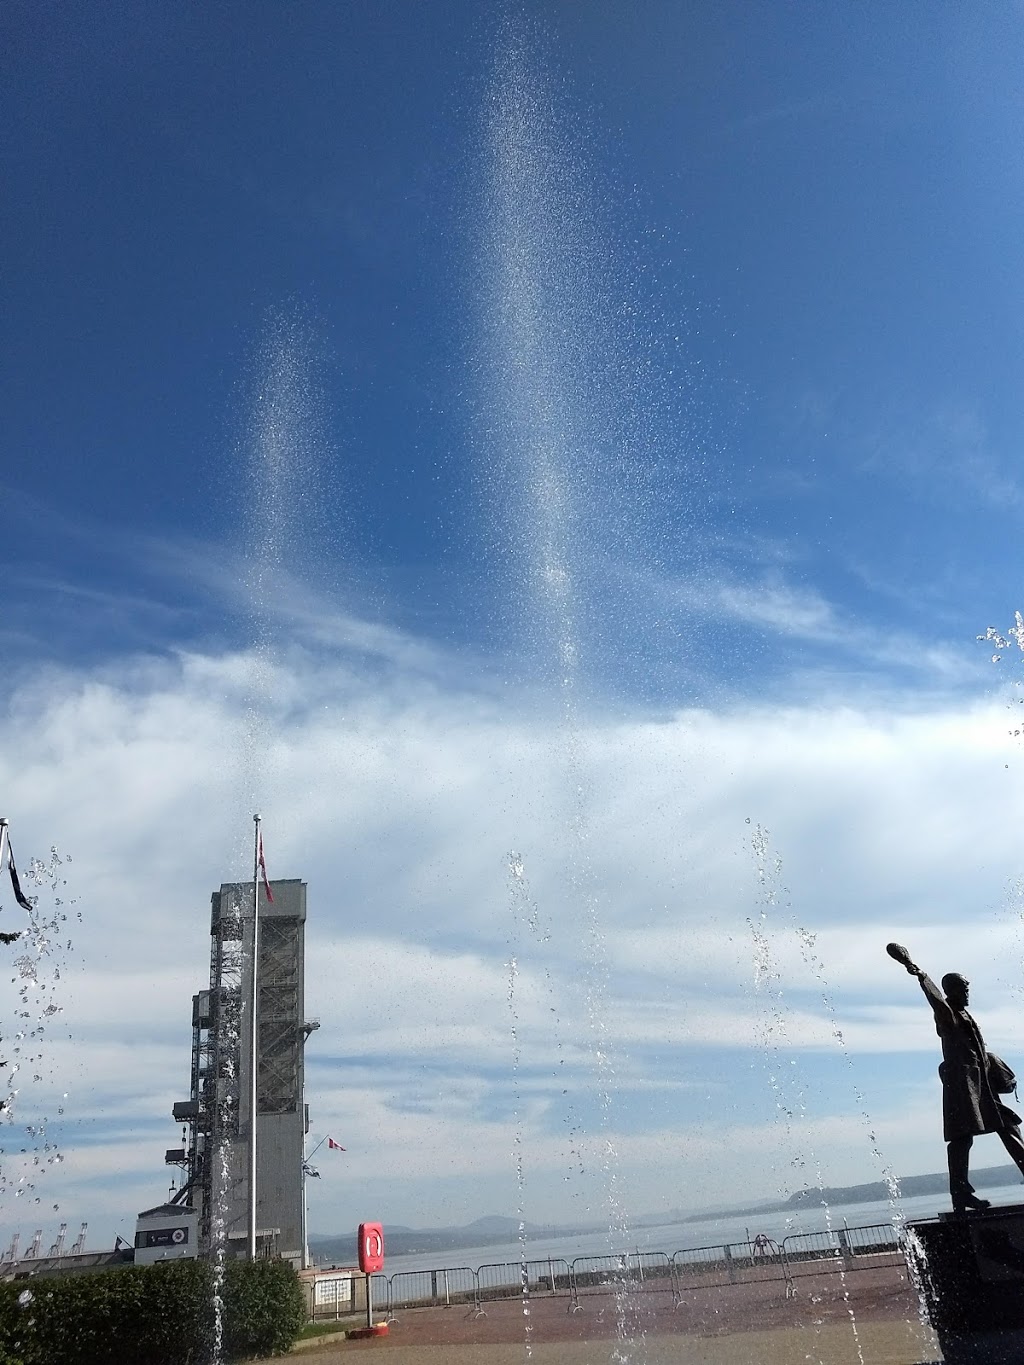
1000 1077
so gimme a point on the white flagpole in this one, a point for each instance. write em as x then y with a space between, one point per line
254 1036
3 841
306 1158
305 1214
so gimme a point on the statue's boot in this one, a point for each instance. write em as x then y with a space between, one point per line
958 1154
970 1203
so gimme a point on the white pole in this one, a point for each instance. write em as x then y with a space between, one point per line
254 1035
305 1240
305 1217
3 841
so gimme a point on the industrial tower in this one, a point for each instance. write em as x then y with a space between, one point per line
215 1155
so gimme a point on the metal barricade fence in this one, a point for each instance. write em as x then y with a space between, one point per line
630 1273
653 1270
767 1262
445 1287
816 1253
605 1274
510 1279
875 1245
843 1250
691 1269
734 1263
412 1288
757 1262
703 1268
332 1296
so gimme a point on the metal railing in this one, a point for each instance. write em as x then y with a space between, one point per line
630 1273
809 1253
447 1287
512 1279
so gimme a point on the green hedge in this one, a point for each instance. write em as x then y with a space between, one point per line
152 1315
264 1309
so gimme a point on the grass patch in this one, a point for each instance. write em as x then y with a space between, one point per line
320 1329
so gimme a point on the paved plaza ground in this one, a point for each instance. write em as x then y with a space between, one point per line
869 1317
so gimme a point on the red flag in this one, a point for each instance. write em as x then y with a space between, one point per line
263 870
333 1146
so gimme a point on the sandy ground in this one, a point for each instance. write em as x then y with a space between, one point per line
866 1318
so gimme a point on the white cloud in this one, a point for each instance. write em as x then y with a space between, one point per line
777 609
657 863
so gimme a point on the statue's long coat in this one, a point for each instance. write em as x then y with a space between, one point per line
969 1104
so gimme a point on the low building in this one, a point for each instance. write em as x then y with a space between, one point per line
169 1232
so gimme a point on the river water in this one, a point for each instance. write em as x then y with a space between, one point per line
672 1237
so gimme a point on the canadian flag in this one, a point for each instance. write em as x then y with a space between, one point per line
333 1146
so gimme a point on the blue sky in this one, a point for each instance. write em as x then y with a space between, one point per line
589 431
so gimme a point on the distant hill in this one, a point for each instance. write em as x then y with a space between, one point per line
910 1185
491 1230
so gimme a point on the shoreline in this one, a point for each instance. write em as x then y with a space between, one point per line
670 1238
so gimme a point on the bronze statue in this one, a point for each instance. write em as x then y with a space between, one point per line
972 1081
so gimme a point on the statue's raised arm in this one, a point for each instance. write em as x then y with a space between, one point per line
940 1006
897 951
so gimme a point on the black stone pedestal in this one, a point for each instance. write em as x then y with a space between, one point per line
972 1277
